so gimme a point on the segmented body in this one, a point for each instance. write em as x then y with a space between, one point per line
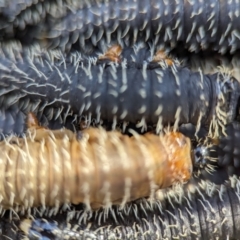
100 169
201 211
131 91
211 24
13 118
227 35
227 147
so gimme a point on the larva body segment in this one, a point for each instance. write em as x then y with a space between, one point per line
20 18
227 146
12 121
194 24
129 91
13 118
49 168
201 211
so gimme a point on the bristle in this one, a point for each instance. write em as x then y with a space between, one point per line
67 25
184 210
55 155
108 91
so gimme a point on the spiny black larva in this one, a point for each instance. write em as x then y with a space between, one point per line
13 119
209 24
130 91
100 169
16 106
19 18
207 61
224 150
201 210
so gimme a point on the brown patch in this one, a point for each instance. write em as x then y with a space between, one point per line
162 56
112 54
32 121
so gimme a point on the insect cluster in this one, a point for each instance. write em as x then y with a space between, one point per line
119 119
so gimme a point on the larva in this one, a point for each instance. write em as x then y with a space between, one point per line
100 169
194 24
13 118
128 92
223 151
16 106
201 211
19 18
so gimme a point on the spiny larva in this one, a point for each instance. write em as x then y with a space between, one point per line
198 210
97 168
194 25
135 89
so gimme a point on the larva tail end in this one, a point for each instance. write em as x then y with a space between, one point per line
180 158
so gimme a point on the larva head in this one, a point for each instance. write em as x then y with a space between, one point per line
205 156
199 156
180 166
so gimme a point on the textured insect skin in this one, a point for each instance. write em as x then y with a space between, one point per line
227 148
215 158
134 92
191 41
17 103
202 210
125 168
223 152
13 116
19 18
210 24
14 121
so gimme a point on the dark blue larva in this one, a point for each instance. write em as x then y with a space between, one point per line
20 18
13 119
228 150
145 93
201 211
209 24
224 151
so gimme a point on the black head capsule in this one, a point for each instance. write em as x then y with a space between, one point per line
199 156
204 158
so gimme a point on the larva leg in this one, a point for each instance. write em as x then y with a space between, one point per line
32 121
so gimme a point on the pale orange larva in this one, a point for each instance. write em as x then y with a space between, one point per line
50 168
